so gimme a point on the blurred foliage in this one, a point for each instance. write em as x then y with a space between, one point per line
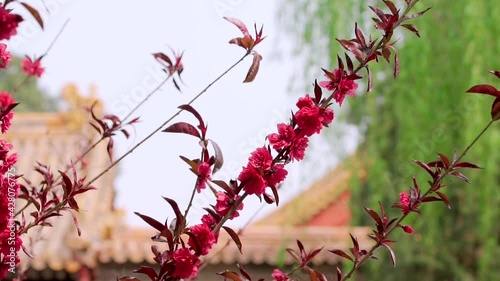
29 95
424 111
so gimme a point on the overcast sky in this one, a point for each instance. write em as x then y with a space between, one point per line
109 44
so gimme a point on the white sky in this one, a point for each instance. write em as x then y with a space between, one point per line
109 43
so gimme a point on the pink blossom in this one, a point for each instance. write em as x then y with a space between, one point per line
261 159
6 101
6 161
204 238
209 220
404 199
252 180
204 175
309 117
283 138
5 56
8 23
224 204
31 67
276 175
185 264
342 85
298 148
279 276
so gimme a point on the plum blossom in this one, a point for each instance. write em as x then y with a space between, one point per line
8 23
5 56
186 264
204 238
341 84
32 68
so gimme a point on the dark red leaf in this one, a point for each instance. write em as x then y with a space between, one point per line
147 270
190 109
162 57
183 128
495 109
412 28
444 198
254 68
431 199
359 35
393 256
339 274
495 72
341 253
466 165
294 255
414 16
109 148
444 160
386 53
243 272
152 222
318 93
374 215
425 166
234 236
391 7
177 211
460 176
275 194
348 60
34 13
75 222
224 186
484 89
352 47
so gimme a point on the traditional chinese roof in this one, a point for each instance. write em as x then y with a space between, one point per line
325 203
54 139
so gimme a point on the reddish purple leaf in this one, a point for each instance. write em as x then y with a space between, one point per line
370 80
444 198
318 93
180 218
444 160
391 7
466 165
341 253
243 28
495 72
152 222
162 57
431 199
495 109
460 176
374 215
190 109
243 272
147 270
414 16
412 28
183 128
254 68
75 222
339 274
484 89
234 236
425 166
352 47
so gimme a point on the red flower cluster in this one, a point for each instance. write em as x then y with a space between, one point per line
186 264
404 199
341 84
8 23
205 239
6 103
31 67
310 117
224 203
279 276
5 56
204 175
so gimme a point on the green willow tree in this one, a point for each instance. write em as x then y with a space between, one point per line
424 111
29 95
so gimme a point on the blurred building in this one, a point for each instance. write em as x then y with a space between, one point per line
108 248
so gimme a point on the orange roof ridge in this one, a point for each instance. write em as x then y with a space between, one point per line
317 198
